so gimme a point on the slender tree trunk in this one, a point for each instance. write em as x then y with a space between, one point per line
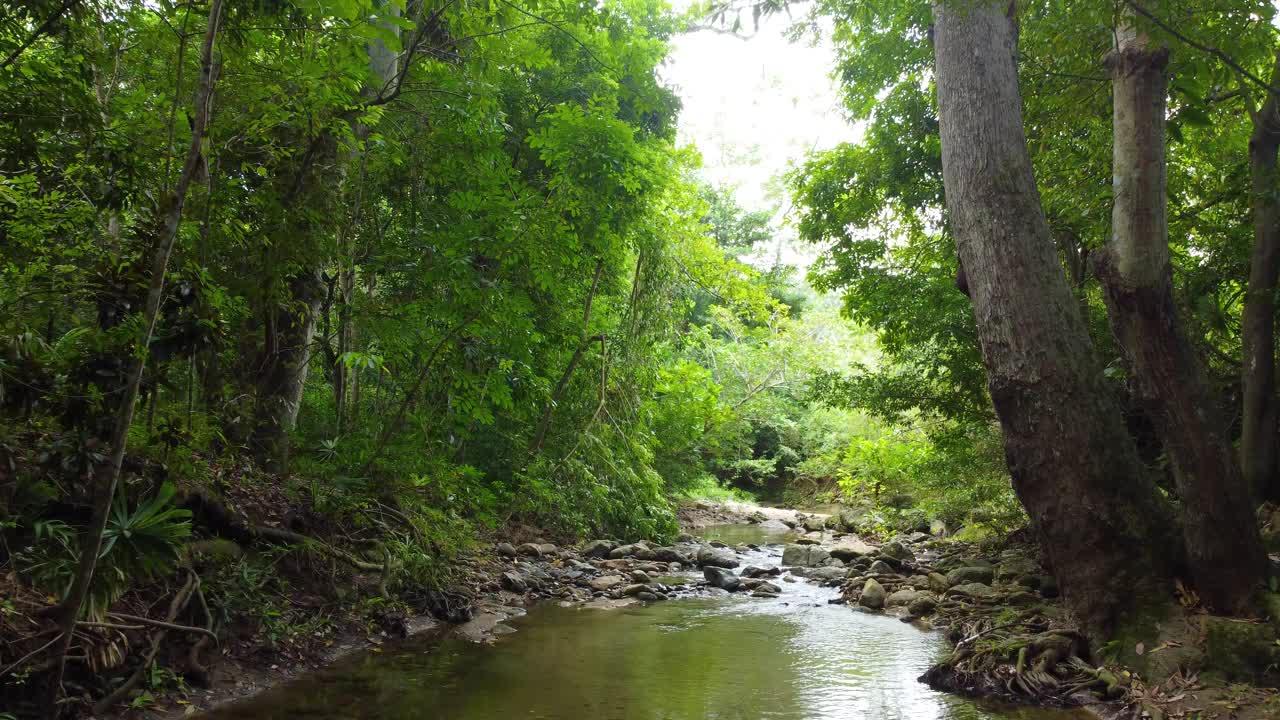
290 332
67 612
1074 467
544 424
1258 452
1224 550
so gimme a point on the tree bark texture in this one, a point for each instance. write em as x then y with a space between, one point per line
1224 550
1074 467
286 358
1258 451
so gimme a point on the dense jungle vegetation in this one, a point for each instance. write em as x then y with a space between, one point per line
364 281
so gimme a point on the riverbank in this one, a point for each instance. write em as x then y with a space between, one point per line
993 601
490 585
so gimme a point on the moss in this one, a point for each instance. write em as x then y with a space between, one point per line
1240 651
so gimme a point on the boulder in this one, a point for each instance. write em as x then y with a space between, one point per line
506 549
973 590
648 596
937 527
635 589
814 523
670 555
721 577
1240 651
716 558
851 550
897 551
847 520
826 574
768 587
753 571
640 576
625 551
529 550
881 567
598 548
873 595
923 604
938 582
795 555
803 555
605 582
1012 569
905 596
965 575
513 582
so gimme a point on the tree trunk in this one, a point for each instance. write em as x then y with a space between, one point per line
287 356
545 423
1258 454
67 612
1224 550
1074 467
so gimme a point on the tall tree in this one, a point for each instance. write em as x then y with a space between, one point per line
1073 465
1224 549
166 224
1261 407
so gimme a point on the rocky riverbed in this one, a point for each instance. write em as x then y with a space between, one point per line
994 603
714 624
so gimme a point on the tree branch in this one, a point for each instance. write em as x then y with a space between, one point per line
1225 58
44 28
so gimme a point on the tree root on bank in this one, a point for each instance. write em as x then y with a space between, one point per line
1043 665
214 515
176 606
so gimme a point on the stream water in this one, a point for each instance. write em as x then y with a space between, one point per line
723 658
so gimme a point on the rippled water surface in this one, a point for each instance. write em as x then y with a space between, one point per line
721 658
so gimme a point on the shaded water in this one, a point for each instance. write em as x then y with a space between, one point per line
724 658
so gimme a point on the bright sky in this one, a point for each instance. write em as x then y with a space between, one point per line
755 106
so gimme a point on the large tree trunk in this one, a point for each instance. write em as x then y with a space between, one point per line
1224 550
291 330
1073 465
1258 454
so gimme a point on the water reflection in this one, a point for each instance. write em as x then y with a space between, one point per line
723 658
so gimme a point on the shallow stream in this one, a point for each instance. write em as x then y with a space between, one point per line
726 657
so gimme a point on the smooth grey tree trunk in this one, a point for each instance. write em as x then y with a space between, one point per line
1258 450
1074 467
1224 550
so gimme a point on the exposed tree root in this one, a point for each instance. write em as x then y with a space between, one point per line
178 604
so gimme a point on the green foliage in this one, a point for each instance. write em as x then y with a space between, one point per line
138 545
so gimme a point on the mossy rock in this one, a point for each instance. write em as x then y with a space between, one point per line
216 551
1241 651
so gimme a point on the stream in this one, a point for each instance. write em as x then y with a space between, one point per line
723 657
